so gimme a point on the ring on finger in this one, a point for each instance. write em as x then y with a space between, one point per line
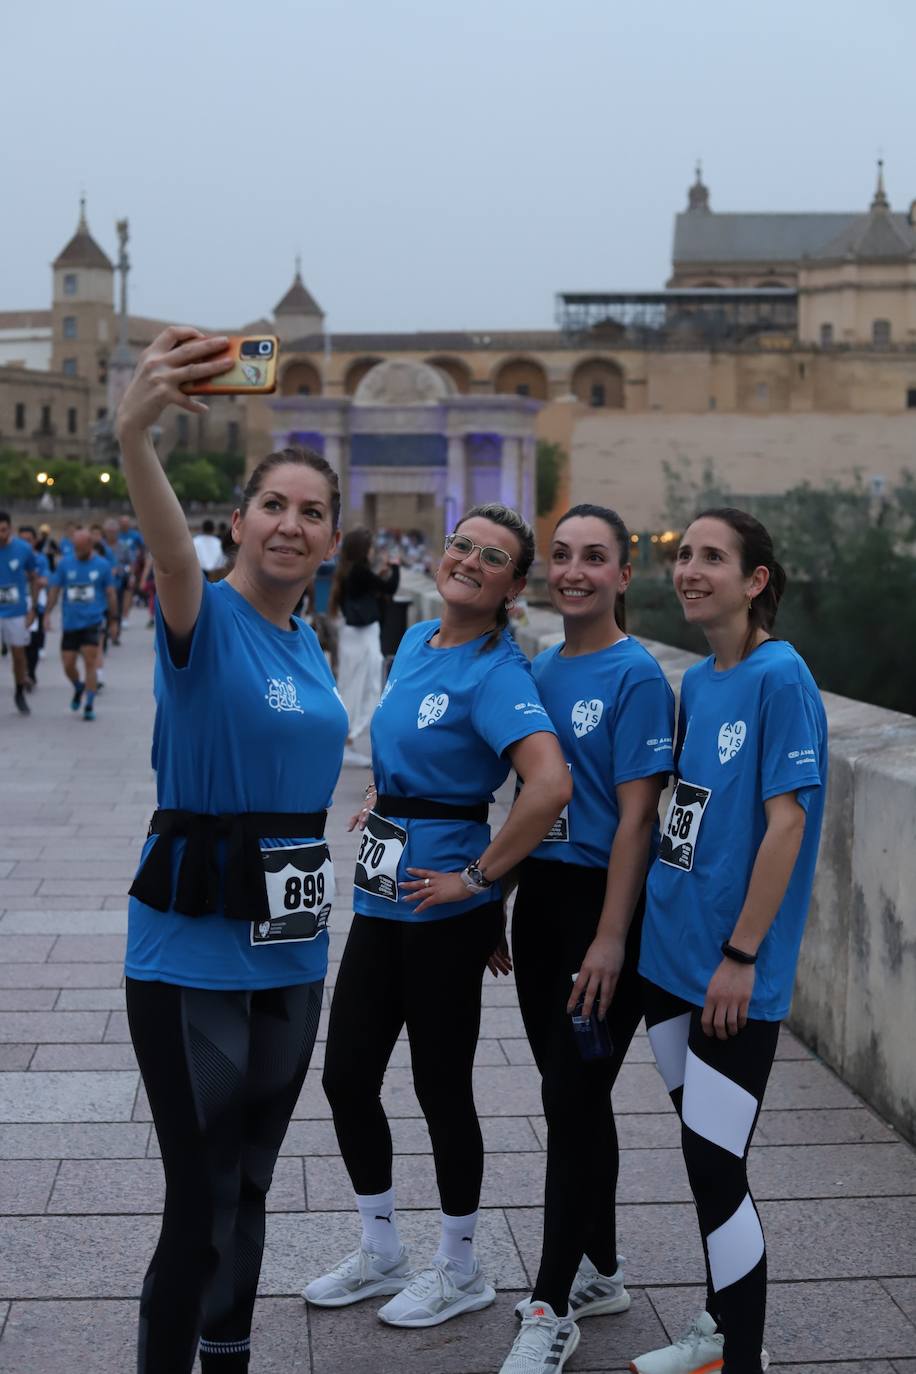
426 882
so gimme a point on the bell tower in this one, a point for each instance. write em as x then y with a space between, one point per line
82 312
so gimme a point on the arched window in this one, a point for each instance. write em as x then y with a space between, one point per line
521 377
456 369
881 333
826 335
300 379
356 372
598 382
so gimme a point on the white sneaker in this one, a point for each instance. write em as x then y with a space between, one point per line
359 1275
437 1293
544 1343
592 1294
698 1351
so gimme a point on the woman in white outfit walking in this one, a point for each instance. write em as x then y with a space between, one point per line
355 596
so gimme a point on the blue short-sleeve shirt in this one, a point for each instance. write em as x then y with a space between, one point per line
441 731
614 715
756 731
253 722
83 584
17 561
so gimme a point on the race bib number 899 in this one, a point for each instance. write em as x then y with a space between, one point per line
682 825
300 892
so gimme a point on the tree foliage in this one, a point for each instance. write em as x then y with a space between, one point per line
551 460
850 602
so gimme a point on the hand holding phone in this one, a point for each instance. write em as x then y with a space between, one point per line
253 371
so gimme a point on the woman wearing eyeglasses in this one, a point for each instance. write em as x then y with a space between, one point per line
459 710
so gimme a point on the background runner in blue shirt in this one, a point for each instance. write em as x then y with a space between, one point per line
578 915
225 980
727 901
18 585
83 581
459 710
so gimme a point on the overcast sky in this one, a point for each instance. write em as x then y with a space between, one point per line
438 164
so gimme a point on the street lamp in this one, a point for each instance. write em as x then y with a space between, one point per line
105 477
41 477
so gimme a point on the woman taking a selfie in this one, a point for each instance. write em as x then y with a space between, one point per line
727 901
578 918
458 711
227 939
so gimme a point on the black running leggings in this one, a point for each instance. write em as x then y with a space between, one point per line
425 975
556 915
717 1087
223 1072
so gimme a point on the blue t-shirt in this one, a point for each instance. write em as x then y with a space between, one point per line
614 714
440 731
83 583
17 560
753 732
66 547
253 722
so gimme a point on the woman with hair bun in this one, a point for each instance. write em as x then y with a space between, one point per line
460 709
726 907
577 921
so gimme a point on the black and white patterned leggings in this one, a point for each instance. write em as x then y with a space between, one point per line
223 1072
717 1088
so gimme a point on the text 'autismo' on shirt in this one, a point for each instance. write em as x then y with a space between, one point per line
83 584
614 715
252 723
18 562
748 734
441 731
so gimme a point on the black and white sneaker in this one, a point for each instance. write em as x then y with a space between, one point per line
544 1343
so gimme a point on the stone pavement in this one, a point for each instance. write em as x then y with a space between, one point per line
80 1182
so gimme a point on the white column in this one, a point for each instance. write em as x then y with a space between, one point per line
456 481
529 477
333 452
510 487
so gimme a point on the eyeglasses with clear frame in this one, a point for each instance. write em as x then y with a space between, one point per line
459 547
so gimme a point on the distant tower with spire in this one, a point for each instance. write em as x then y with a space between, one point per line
298 315
698 194
82 312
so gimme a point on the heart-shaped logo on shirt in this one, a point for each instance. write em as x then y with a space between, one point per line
432 708
731 737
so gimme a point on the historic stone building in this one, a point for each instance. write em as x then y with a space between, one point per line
778 342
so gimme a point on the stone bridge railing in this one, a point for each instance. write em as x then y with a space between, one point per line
855 993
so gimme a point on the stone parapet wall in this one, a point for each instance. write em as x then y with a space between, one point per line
855 992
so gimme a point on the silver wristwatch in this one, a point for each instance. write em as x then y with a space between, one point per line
474 880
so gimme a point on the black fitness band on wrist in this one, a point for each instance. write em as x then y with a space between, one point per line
740 956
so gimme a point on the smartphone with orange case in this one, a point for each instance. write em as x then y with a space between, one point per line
254 372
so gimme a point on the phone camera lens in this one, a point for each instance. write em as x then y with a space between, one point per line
265 348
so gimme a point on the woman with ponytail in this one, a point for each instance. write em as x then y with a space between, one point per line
460 709
727 901
577 921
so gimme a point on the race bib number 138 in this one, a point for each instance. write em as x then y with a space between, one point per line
682 825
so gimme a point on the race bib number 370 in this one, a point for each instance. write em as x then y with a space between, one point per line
380 848
681 828
300 892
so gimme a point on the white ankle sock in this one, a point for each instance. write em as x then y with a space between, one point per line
380 1227
456 1242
